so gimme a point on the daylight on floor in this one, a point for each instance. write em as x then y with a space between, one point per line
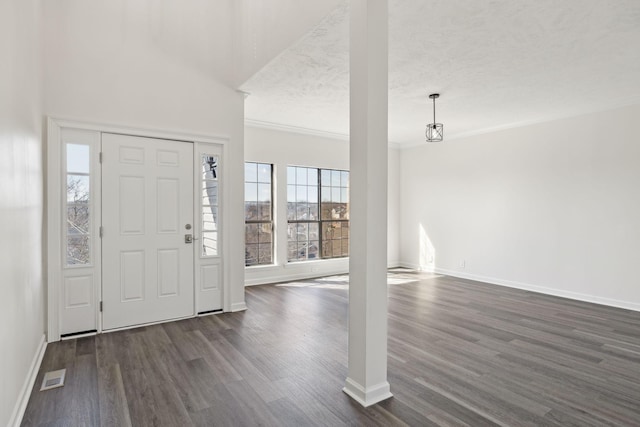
339 212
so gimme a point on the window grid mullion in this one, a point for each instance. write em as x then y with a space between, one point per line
259 223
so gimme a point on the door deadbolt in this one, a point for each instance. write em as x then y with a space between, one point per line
187 227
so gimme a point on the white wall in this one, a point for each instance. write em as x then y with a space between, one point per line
270 26
393 212
113 61
553 207
137 64
287 148
22 299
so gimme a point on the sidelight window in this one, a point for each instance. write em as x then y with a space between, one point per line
210 204
78 205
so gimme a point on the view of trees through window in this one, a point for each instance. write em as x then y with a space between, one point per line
317 210
317 213
258 213
78 208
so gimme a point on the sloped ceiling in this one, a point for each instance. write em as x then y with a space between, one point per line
496 64
267 27
229 40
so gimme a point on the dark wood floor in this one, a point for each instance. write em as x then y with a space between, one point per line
460 353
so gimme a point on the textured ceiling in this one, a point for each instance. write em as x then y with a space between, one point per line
496 64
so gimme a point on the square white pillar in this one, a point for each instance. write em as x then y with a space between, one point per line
367 381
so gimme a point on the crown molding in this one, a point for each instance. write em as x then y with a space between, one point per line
592 109
259 124
295 129
408 145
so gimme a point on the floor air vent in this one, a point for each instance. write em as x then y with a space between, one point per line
53 379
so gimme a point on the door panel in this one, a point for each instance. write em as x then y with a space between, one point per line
168 272
132 276
132 201
147 204
168 212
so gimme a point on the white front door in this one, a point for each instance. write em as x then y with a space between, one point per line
147 205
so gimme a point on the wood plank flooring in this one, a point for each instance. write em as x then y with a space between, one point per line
460 353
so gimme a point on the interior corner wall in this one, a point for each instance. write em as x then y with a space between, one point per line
551 207
22 304
119 63
284 149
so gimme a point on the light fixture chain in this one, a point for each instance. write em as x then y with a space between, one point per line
434 111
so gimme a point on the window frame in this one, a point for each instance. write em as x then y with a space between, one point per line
202 185
342 221
319 221
270 221
90 204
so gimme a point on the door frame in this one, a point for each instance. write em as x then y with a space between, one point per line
54 203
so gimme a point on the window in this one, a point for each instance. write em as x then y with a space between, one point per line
258 213
210 205
78 218
334 208
317 213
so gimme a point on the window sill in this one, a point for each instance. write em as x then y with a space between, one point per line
261 267
317 262
298 264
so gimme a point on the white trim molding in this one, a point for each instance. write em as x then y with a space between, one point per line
30 380
367 396
295 129
53 194
591 109
283 278
176 135
238 306
543 290
267 274
259 124
56 127
286 272
411 266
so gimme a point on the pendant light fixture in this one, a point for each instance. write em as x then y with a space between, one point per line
435 131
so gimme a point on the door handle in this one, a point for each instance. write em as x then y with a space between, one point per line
188 238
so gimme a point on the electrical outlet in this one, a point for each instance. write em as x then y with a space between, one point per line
462 263
430 259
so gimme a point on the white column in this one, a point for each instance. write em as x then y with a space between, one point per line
233 219
367 380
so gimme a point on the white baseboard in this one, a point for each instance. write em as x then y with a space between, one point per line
279 278
543 290
409 265
268 275
367 396
25 392
238 306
